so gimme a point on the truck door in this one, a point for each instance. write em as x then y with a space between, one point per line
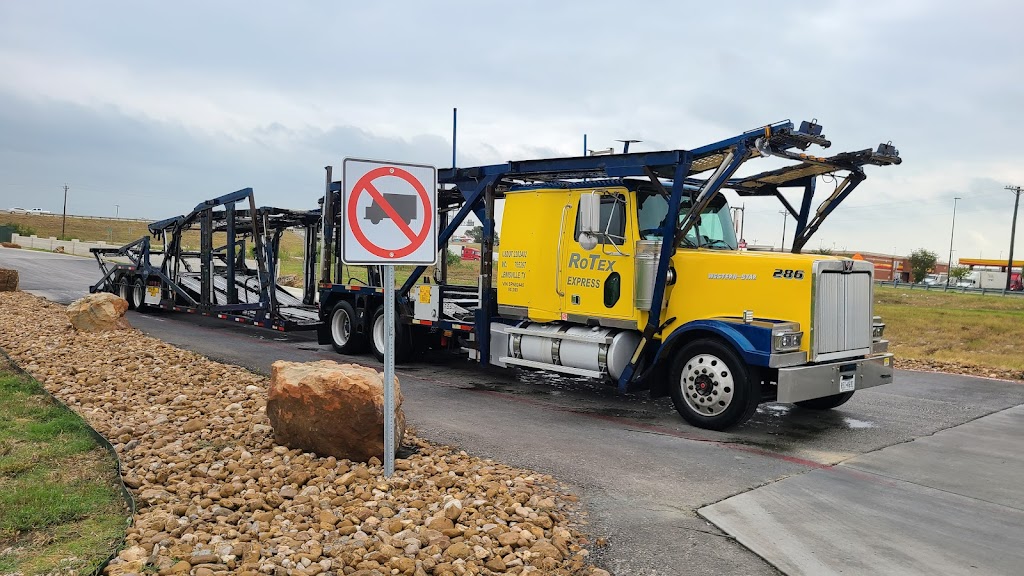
597 284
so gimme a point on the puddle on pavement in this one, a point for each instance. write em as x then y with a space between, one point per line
618 413
854 423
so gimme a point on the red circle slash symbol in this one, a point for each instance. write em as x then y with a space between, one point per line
366 184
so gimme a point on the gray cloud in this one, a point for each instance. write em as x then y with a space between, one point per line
156 106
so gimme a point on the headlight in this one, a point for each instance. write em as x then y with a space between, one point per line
877 328
787 341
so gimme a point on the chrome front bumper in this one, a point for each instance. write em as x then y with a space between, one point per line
808 382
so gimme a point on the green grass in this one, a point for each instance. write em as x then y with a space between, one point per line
60 509
967 329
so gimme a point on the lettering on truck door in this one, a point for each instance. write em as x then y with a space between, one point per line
598 283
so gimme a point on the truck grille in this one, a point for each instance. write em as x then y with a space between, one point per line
842 313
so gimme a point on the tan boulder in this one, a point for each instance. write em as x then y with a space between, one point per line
331 409
8 280
98 312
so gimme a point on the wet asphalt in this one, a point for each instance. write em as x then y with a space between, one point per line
640 471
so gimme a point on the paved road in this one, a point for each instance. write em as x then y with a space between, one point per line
641 472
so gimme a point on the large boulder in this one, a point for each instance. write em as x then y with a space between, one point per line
8 280
331 409
98 312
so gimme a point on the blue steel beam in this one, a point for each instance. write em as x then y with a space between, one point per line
472 199
826 208
805 209
668 230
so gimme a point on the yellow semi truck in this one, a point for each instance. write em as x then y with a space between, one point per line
626 268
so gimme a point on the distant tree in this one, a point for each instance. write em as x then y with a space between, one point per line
958 272
477 234
824 251
921 261
20 229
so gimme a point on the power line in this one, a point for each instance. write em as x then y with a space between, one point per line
64 221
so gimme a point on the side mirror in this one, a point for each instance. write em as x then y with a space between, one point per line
590 220
590 213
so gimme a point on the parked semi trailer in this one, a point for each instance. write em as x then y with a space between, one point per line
625 268
221 281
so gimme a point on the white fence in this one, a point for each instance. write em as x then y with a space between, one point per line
70 246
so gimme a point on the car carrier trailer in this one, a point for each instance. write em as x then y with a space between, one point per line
217 281
625 268
620 267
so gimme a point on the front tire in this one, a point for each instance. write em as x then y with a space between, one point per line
344 337
711 387
826 402
403 345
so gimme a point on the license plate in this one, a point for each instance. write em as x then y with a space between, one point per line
847 383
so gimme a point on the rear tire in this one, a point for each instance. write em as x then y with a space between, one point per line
403 344
825 402
711 387
123 288
342 326
139 294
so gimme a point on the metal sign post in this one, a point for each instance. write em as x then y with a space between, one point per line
389 217
389 370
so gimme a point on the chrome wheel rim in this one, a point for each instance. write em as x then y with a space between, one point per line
341 327
707 385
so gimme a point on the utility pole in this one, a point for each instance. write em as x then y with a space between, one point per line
117 208
1013 231
893 275
949 267
785 216
64 220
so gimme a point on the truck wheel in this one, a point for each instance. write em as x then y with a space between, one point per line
403 346
122 288
139 294
710 386
825 402
344 337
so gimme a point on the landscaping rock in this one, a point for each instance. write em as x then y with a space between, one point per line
99 312
8 280
331 409
227 499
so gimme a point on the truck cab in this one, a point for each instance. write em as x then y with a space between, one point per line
739 327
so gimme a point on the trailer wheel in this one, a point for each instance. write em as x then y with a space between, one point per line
139 294
711 387
825 402
344 337
403 345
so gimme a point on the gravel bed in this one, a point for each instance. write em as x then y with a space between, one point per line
217 495
962 369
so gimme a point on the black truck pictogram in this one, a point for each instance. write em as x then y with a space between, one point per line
404 205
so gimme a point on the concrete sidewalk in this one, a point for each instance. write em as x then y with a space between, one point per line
950 503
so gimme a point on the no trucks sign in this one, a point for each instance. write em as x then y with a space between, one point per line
389 213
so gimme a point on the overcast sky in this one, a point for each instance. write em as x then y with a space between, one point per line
155 106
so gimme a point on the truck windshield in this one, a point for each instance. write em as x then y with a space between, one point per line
713 229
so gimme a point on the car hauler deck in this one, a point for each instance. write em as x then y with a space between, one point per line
624 267
201 281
